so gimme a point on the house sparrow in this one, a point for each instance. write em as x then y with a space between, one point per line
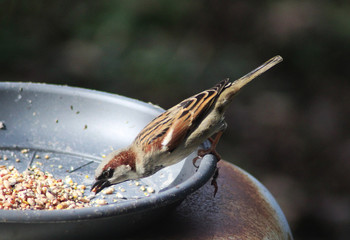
175 134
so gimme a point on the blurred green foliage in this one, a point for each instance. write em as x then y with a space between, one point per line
289 128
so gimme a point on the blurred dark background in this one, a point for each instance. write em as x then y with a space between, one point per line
289 128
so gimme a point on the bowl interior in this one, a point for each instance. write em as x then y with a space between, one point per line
66 131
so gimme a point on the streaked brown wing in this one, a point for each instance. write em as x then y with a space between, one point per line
170 128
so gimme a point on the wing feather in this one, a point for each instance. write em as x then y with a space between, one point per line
169 129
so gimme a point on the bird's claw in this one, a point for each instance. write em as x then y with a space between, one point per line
213 181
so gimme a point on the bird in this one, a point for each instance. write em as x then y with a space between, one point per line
175 134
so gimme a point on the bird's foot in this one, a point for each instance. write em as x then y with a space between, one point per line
212 150
213 181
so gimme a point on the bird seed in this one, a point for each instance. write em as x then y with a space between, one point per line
38 190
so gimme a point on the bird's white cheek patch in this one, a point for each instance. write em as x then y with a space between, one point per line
121 170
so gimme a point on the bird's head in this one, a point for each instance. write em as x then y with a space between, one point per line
117 167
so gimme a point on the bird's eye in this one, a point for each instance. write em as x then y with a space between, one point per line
108 173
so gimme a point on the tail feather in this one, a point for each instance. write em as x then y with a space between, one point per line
239 83
234 88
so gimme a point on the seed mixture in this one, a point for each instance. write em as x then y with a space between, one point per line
38 190
35 189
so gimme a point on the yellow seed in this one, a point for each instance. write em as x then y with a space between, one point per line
150 190
101 202
109 190
119 195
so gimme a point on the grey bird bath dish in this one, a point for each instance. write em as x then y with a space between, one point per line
75 127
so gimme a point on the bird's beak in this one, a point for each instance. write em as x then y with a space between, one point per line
99 185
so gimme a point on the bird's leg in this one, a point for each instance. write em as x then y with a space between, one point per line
211 150
213 181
